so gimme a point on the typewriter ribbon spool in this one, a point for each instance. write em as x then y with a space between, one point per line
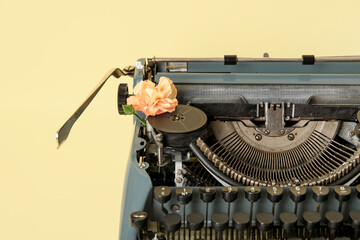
181 127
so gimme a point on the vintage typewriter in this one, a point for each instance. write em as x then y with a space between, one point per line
258 148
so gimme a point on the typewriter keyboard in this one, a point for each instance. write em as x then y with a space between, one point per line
217 213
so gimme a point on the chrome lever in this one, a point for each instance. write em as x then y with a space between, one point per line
63 132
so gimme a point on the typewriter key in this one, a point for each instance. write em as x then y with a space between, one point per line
320 194
195 222
358 190
274 194
138 220
342 194
220 222
184 196
297 194
355 222
229 194
264 222
241 222
162 194
288 222
334 221
172 224
207 195
311 221
252 193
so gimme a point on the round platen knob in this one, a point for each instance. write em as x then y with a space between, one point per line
241 221
334 219
320 193
288 221
162 194
274 193
264 221
184 195
219 221
195 221
355 219
123 94
172 222
207 194
311 220
252 193
342 193
229 194
138 219
298 193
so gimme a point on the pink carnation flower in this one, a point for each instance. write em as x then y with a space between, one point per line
153 100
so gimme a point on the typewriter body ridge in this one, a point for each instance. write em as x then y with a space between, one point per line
258 148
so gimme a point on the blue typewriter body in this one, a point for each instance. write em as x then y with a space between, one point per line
284 130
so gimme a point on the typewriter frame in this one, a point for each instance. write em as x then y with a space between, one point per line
138 187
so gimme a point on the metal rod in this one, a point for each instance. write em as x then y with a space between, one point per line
318 207
340 205
273 208
228 230
138 235
244 59
184 221
356 234
206 220
296 207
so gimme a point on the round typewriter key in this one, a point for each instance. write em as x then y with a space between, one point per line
320 193
138 219
162 194
355 218
342 193
172 222
252 193
264 221
219 221
207 194
355 222
195 221
288 221
184 195
311 220
298 193
241 221
274 194
358 190
334 219
229 194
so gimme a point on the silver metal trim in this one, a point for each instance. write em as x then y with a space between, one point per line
241 59
63 132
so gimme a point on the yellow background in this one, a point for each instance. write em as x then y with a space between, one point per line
52 54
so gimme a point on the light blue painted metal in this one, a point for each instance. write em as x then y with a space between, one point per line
245 78
138 185
138 188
